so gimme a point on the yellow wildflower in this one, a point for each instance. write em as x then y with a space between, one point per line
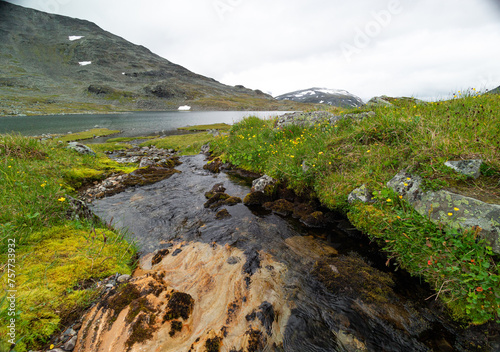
62 199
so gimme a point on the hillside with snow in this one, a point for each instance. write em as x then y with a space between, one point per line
333 97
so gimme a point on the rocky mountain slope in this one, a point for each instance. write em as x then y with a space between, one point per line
333 97
51 63
495 91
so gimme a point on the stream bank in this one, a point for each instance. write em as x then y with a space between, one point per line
255 280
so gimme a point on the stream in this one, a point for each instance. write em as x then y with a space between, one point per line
264 282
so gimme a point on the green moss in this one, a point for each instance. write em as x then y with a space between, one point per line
50 270
95 132
128 139
187 144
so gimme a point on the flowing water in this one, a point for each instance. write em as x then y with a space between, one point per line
269 282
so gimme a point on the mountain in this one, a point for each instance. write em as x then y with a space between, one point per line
334 97
495 91
51 63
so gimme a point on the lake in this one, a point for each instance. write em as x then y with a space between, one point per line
132 124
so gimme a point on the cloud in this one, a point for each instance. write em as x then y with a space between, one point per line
425 48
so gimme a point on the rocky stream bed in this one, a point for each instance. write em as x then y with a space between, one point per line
217 273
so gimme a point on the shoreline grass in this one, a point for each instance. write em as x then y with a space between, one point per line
331 160
185 144
54 253
214 126
89 134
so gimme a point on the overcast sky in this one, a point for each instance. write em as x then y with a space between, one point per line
423 48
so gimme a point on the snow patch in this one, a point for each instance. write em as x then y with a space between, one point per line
123 73
322 101
84 63
75 37
333 91
184 108
307 92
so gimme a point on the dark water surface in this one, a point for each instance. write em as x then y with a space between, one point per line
132 124
338 317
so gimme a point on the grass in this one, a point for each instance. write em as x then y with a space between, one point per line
214 126
187 144
94 132
55 255
329 161
128 139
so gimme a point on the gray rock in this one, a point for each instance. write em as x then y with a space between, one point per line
69 332
360 116
70 344
261 183
123 278
361 194
466 167
465 212
146 162
205 149
407 185
56 350
233 260
303 119
81 148
379 101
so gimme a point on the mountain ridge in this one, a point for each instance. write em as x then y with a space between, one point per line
316 95
42 65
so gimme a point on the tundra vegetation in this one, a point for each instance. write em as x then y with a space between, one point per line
329 160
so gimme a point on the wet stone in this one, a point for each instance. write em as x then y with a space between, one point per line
176 252
233 260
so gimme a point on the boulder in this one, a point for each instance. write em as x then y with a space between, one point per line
466 167
303 119
449 208
70 344
362 194
263 183
81 148
145 162
123 278
205 148
379 101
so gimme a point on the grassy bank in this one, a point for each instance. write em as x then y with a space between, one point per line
53 255
331 160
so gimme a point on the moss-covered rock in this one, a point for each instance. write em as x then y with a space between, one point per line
213 166
256 198
222 214
280 206
315 219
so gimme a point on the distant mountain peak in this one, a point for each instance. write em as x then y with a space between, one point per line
315 95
